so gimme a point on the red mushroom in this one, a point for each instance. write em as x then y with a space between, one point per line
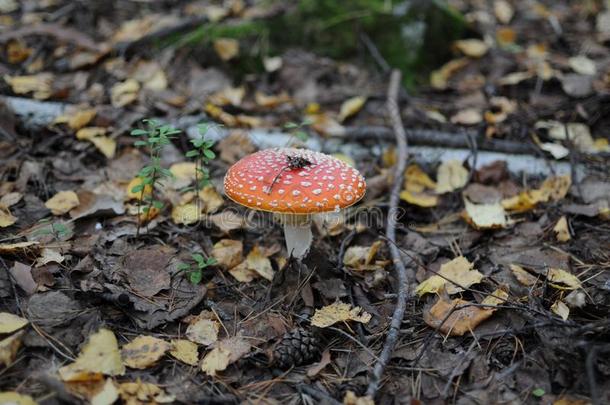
294 183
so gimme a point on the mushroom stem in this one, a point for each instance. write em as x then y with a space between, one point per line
297 233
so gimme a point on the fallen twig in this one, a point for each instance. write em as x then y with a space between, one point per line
401 271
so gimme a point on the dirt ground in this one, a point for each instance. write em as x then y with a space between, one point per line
502 226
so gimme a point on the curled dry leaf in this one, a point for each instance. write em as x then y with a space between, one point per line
228 252
361 257
566 280
485 216
582 65
224 353
143 351
140 393
338 312
39 85
562 233
451 175
203 332
100 355
62 202
124 93
186 214
351 107
10 323
212 200
351 398
439 79
227 221
144 194
226 48
257 263
418 188
474 48
76 120
459 270
6 218
19 247
96 136
22 273
9 347
561 309
185 351
522 275
552 189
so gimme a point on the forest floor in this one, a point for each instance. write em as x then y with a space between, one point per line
503 225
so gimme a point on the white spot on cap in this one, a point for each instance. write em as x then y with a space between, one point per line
305 183
281 191
296 192
317 191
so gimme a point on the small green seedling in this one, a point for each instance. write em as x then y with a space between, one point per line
194 272
155 137
297 130
58 230
538 392
202 153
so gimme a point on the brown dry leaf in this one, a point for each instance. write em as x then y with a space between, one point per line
143 351
451 175
568 281
351 398
49 255
228 252
316 368
218 113
503 11
143 393
185 351
6 218
474 48
561 230
271 101
203 332
150 75
506 36
582 65
19 247
470 116
485 216
228 96
523 276
439 79
22 273
514 78
227 221
10 199
100 355
186 214
14 398
226 48
17 51
351 107
78 119
561 309
338 312
39 85
146 270
9 347
225 352
62 202
10 323
124 93
458 270
324 123
235 146
361 257
552 189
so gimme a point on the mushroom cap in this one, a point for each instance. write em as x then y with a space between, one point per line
293 181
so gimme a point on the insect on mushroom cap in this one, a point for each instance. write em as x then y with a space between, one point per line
293 181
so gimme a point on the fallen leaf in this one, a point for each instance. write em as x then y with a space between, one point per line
62 202
10 323
143 351
10 199
272 64
9 347
203 332
361 257
470 116
146 270
100 355
211 199
224 353
124 93
186 214
459 270
6 218
503 11
150 75
76 120
552 189
258 261
228 252
514 78
561 309
13 398
8 6
351 107
557 150
316 368
143 194
271 101
185 351
228 96
569 281
474 48
39 85
22 273
576 133
439 79
19 247
95 135
226 48
506 36
242 273
582 65
227 221
576 299
108 395
561 230
523 276
351 398
485 216
143 393
417 188
338 312
451 175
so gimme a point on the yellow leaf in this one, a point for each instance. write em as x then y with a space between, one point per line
419 199
218 113
76 120
138 195
439 78
451 176
475 48
505 36
227 221
242 273
17 51
184 174
228 96
228 252
504 11
39 85
12 248
496 298
203 332
9 323
514 78
143 351
351 107
469 116
485 216
124 93
458 270
552 189
49 255
351 398
186 214
258 262
9 347
522 275
226 48
338 312
100 355
13 398
89 133
561 230
344 158
226 352
270 101
185 351
569 281
561 309
108 395
211 199
95 135
141 393
361 257
456 317
6 218
62 202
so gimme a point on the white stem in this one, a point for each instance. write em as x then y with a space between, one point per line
298 238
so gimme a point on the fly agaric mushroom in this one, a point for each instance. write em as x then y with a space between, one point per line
296 184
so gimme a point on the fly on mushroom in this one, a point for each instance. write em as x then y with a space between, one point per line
295 184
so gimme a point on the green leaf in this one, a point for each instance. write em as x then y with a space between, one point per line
209 144
138 132
301 135
291 125
145 210
538 392
198 258
183 266
140 143
147 180
192 153
167 172
145 171
209 154
211 261
195 277
138 188
157 204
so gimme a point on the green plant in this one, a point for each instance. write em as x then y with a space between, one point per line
194 271
202 153
297 130
155 137
58 230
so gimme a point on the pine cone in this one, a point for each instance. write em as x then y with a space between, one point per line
296 347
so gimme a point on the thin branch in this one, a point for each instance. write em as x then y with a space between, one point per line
401 271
